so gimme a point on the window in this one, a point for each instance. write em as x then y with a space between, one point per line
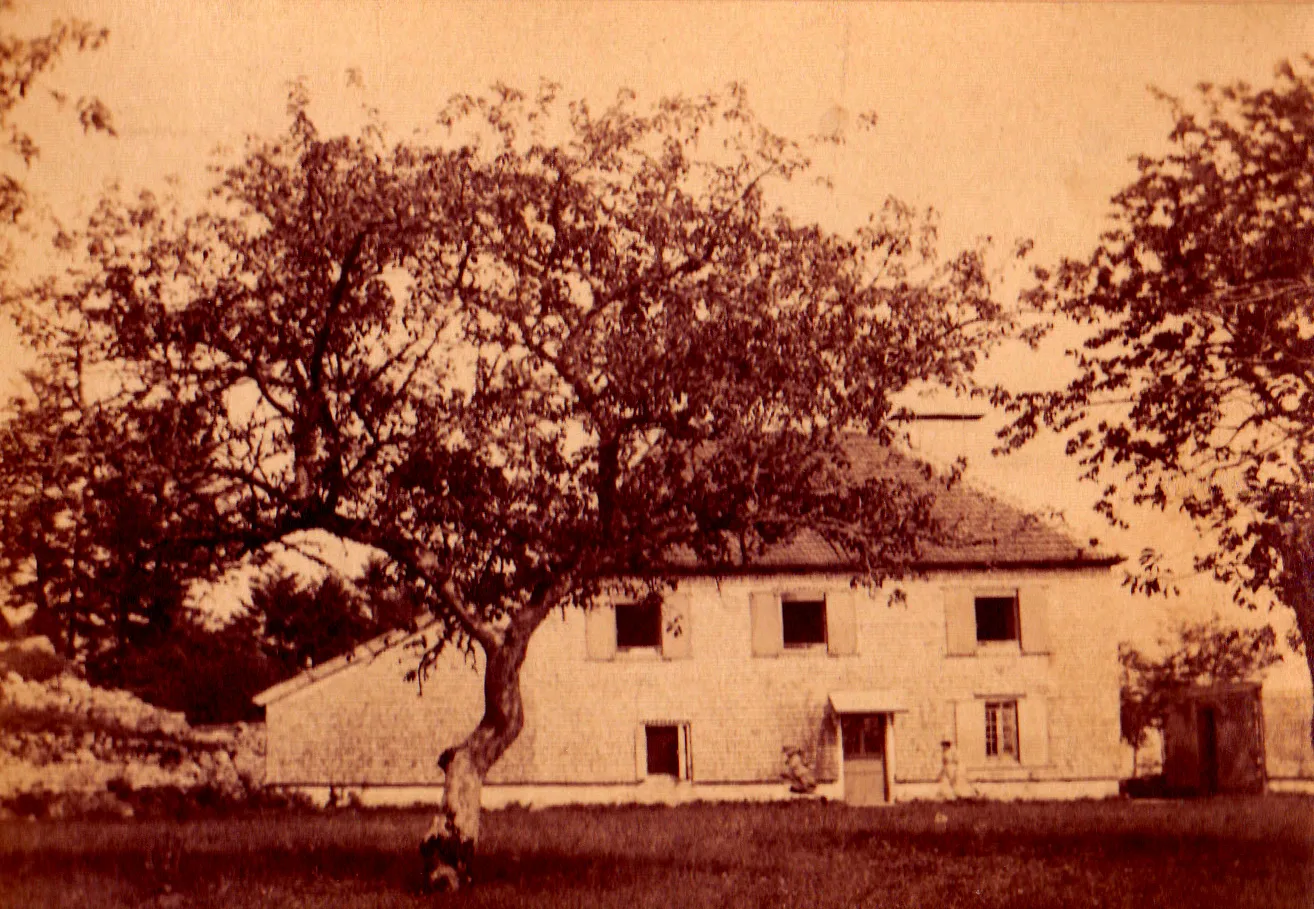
639 624
864 735
1001 730
996 618
663 750
803 622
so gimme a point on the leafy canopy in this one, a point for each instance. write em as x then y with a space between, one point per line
1196 385
542 352
24 60
1197 653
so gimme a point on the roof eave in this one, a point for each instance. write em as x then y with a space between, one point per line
759 568
365 651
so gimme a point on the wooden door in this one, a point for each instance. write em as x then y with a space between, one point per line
864 758
1240 735
1207 732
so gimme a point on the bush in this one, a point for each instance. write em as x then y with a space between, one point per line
33 659
120 799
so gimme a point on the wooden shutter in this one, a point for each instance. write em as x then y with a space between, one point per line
1033 617
1033 730
842 622
959 621
641 752
768 633
600 632
676 626
969 723
686 765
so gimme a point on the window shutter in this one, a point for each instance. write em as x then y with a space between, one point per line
641 752
686 765
970 732
600 632
676 626
1033 615
959 621
842 622
1033 730
768 634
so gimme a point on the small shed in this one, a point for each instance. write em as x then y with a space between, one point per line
1213 740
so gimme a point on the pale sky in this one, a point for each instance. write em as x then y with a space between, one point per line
1013 120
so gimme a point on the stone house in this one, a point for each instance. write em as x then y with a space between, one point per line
1004 645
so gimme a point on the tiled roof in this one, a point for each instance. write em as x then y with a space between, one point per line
989 534
984 532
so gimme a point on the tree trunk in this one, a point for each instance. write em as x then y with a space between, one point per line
1297 591
1302 603
452 838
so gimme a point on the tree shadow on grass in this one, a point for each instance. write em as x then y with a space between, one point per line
153 870
1137 846
380 869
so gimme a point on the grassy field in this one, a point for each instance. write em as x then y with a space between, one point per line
1221 853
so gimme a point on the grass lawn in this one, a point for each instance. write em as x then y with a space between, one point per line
1219 853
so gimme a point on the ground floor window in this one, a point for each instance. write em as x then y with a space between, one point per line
1001 730
666 750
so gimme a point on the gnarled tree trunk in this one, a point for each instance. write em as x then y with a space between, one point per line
1297 588
1300 597
450 843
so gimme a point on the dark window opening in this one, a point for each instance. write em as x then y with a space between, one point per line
996 618
663 751
864 735
803 622
639 625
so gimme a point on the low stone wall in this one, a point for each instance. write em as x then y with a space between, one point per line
67 748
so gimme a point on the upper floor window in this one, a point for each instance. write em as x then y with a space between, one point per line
991 619
996 618
653 625
639 624
803 622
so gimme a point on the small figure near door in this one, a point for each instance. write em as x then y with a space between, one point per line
797 773
953 780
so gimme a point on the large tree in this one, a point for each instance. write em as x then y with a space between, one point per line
1195 389
525 362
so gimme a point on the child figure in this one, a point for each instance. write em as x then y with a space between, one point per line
953 781
800 776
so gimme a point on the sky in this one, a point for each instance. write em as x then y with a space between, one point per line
1013 120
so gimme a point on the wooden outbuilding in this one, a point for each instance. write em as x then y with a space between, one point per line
1213 740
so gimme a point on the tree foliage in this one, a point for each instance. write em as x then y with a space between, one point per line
95 498
296 625
24 60
1198 653
1195 388
539 356
211 672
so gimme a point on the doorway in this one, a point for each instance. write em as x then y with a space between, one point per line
1207 728
863 744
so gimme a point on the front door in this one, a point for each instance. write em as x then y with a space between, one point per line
864 758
